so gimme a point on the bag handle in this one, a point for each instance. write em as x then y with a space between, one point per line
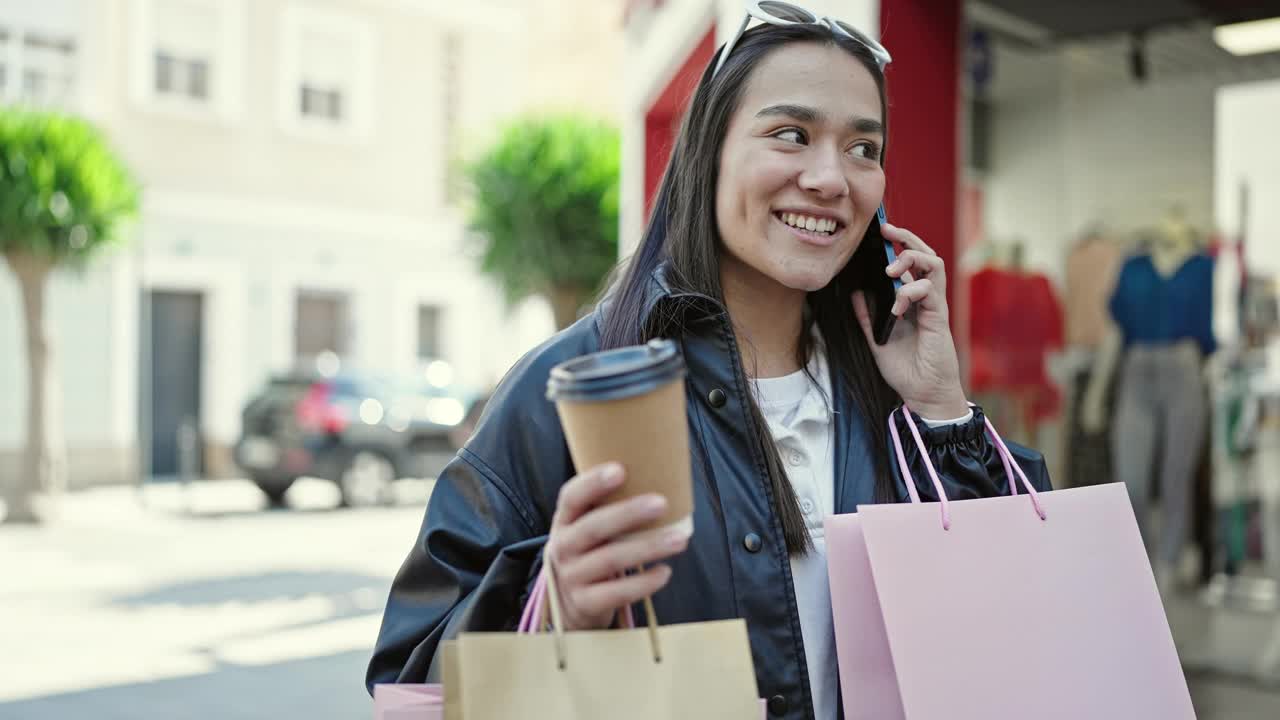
1011 466
545 596
533 618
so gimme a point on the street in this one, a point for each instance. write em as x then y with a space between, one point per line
202 604
230 611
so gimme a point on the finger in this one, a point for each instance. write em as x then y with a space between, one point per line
602 524
908 239
919 265
919 291
607 561
585 492
605 597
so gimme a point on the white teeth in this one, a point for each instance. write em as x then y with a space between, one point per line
812 224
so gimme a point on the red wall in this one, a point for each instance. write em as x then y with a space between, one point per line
662 122
923 159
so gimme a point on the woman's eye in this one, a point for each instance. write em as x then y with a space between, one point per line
866 151
791 135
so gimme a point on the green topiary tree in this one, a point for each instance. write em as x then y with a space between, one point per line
546 206
63 195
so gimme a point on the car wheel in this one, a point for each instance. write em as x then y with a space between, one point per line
274 489
366 480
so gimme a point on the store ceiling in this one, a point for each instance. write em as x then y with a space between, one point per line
1085 19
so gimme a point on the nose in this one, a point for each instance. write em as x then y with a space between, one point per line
824 177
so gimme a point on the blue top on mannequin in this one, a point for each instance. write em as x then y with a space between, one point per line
1152 309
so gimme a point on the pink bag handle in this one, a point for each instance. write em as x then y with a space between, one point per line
544 593
1006 458
535 609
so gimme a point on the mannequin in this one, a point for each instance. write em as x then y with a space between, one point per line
1161 333
1016 321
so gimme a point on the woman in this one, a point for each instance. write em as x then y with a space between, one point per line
787 398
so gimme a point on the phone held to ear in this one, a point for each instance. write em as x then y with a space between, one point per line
866 272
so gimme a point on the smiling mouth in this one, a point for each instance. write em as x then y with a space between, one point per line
815 226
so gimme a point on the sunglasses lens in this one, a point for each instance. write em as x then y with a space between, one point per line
787 12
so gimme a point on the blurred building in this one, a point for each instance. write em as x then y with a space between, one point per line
299 166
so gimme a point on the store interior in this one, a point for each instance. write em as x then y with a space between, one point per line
1119 257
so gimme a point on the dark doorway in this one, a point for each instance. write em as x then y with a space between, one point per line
171 393
321 324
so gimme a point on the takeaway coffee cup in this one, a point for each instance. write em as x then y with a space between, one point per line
628 406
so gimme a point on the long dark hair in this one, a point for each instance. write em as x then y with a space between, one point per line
682 232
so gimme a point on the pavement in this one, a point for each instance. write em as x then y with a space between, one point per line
199 602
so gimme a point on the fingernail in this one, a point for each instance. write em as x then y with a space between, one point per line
675 539
655 504
612 474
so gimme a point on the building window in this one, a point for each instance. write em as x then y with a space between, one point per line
186 77
320 103
36 68
429 331
326 73
321 324
189 55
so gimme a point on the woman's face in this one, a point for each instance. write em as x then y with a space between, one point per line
800 176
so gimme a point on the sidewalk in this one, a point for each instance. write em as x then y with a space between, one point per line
125 611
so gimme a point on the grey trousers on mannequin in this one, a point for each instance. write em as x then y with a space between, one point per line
1162 405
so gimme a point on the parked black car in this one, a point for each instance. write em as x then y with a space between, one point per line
360 430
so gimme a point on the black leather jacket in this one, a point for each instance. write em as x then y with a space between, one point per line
478 551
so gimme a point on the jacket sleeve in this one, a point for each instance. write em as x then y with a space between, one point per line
479 548
469 568
967 461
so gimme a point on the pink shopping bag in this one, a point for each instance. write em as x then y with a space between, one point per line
408 702
1029 606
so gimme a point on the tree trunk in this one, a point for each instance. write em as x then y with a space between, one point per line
566 301
42 474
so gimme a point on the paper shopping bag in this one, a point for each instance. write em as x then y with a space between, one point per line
1032 606
694 670
408 702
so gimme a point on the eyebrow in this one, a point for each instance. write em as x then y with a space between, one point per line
804 113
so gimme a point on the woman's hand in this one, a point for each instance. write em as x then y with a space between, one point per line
588 558
919 360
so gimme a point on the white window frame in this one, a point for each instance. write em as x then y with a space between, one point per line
356 121
16 64
225 101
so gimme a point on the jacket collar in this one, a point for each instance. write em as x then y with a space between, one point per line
665 306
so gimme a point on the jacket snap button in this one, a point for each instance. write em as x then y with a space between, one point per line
716 398
777 705
752 543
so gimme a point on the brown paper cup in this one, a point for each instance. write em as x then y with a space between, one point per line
628 406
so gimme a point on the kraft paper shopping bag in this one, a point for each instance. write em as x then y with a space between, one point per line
694 670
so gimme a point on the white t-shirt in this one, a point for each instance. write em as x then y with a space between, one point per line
797 410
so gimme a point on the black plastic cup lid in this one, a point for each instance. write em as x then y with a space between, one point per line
616 374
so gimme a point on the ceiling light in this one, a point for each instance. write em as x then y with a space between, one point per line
1249 38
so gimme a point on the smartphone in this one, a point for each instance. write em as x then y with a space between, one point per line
865 272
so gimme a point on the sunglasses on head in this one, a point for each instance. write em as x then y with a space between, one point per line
773 12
